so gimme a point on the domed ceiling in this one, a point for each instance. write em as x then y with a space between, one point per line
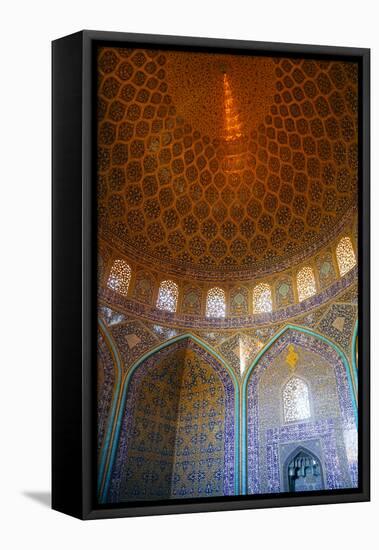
221 166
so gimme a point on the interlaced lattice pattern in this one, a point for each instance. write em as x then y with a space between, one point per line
296 400
345 255
262 299
168 296
306 284
224 193
216 302
119 277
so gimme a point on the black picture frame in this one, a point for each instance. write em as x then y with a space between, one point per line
75 282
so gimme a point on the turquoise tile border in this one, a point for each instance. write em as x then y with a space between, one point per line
354 353
248 373
110 448
118 373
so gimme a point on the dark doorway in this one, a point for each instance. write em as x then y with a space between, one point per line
304 472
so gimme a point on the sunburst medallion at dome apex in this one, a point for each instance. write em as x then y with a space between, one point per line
216 164
196 83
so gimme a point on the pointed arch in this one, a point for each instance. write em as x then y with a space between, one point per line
108 458
105 385
305 330
301 449
256 361
117 383
354 354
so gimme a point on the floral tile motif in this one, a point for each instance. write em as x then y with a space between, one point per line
132 340
180 440
338 324
105 386
263 451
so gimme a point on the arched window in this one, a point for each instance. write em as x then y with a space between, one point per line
296 400
306 284
119 277
168 296
345 255
216 302
262 300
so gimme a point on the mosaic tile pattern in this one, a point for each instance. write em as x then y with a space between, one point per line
213 338
229 346
240 350
177 436
105 386
296 400
284 295
144 287
111 317
264 468
350 296
162 332
262 299
338 324
228 343
178 187
236 181
192 300
132 340
104 258
312 318
325 268
239 301
113 299
304 433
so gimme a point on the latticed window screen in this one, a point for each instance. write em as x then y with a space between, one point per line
168 296
306 284
216 305
345 255
119 277
262 299
296 400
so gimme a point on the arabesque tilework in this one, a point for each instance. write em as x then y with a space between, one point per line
227 267
332 420
178 434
